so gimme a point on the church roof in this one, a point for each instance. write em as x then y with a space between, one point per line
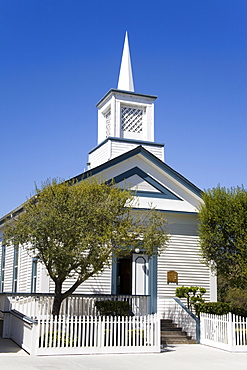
152 158
130 93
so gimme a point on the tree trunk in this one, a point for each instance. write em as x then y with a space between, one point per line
58 298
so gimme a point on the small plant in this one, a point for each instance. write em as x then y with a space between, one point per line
54 340
113 308
193 294
135 336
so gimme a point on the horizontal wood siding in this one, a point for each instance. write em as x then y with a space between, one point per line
100 284
99 156
119 148
183 256
157 151
24 271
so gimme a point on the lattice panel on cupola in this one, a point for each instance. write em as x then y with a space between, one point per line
131 119
108 123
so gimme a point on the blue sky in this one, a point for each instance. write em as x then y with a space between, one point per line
59 57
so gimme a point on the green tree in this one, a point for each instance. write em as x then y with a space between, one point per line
223 233
74 229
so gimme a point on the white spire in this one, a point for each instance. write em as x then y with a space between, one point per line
125 80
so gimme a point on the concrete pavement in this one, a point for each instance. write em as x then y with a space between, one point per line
186 357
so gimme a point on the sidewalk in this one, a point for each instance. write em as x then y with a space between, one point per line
186 357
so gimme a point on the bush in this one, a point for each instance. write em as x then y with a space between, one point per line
239 311
113 308
213 308
219 308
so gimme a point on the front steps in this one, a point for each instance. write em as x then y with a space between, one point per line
171 334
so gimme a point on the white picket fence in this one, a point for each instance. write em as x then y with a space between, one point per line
227 332
99 334
69 335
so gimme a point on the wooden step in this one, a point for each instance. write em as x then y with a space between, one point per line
173 333
179 340
170 333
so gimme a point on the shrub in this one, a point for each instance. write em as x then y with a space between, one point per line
193 294
214 308
113 308
239 311
219 308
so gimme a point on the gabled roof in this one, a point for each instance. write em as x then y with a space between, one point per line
152 188
152 158
123 157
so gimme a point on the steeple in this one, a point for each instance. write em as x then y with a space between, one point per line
125 119
125 80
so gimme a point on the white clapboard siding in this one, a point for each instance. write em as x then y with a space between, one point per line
183 256
24 271
99 156
112 149
119 148
100 284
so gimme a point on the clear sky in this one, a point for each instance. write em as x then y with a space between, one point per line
59 57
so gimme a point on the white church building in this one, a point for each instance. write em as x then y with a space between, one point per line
126 152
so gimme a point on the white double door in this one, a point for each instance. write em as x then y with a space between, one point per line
140 274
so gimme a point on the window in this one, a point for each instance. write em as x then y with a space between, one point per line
34 275
108 122
15 269
2 268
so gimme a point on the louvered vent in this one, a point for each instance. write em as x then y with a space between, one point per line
131 119
108 122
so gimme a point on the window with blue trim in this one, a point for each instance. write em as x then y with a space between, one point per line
2 268
34 275
15 269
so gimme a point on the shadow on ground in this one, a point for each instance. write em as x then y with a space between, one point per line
7 346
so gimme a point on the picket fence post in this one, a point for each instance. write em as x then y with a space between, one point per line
35 338
231 331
